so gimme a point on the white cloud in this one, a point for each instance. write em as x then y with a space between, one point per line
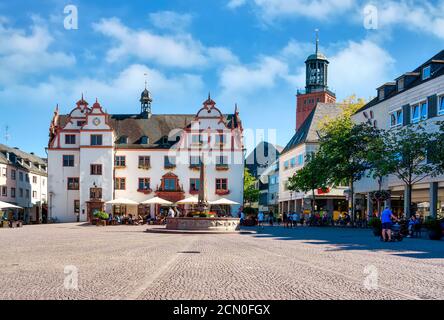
175 50
28 53
317 9
240 79
179 51
233 4
170 20
119 94
359 68
413 15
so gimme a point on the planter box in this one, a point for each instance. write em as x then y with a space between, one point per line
5 224
101 223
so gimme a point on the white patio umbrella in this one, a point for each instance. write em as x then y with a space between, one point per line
223 201
189 200
122 201
6 205
157 200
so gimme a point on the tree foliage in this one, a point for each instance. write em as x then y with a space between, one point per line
251 193
310 177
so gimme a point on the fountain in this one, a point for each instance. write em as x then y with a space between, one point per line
203 223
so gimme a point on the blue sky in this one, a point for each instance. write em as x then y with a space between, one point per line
249 52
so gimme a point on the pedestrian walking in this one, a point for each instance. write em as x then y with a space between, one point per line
271 218
260 219
284 219
386 221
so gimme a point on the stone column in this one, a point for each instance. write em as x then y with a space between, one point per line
433 199
369 206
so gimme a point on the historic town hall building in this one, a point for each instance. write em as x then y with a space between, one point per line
95 157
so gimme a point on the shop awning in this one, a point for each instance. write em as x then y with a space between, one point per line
6 205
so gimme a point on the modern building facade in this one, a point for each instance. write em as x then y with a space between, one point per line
23 182
95 157
293 157
414 97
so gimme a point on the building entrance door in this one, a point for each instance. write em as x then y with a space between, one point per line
92 207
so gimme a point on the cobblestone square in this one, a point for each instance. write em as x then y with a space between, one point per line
125 262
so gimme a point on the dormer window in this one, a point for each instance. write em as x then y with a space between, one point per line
401 84
381 94
426 72
123 140
144 140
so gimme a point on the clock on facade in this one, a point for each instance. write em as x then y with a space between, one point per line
96 121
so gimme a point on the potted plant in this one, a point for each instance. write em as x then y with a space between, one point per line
434 227
101 217
376 225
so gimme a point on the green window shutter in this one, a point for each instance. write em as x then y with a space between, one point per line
432 106
406 114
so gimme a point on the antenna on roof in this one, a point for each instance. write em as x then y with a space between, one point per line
145 75
317 40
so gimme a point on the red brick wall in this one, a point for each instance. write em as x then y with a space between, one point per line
311 99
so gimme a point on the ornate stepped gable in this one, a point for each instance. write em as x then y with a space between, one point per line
158 131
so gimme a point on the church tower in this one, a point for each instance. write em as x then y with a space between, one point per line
316 88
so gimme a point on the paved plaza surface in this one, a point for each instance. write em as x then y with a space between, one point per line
125 262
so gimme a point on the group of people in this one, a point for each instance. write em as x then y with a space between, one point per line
388 218
128 219
261 219
292 219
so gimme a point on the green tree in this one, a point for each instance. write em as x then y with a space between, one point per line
345 146
378 166
310 177
251 193
407 154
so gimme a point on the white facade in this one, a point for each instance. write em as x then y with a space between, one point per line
427 92
23 182
119 154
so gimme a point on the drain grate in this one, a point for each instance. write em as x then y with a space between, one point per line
189 252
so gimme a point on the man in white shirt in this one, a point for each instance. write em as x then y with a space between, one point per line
171 213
